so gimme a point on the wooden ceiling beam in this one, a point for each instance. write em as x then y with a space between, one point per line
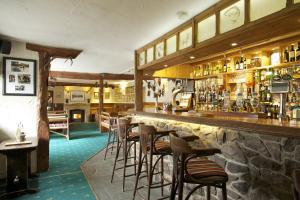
74 75
53 83
53 51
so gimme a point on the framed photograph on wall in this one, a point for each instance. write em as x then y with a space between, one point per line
19 77
77 96
96 95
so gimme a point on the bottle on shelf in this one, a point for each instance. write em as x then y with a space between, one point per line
286 56
237 65
241 67
292 54
225 67
298 52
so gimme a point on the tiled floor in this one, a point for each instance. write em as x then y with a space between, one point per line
64 180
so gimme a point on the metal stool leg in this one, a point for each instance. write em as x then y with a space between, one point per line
140 164
119 144
224 191
107 145
208 192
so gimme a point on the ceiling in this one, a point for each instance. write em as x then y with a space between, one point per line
108 31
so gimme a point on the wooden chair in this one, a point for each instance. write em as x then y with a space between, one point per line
151 145
126 139
296 184
190 165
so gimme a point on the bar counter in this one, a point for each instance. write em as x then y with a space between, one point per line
237 121
258 154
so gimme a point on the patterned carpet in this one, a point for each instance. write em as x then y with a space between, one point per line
64 180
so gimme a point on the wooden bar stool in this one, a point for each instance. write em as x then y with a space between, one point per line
296 184
126 139
111 124
151 144
191 166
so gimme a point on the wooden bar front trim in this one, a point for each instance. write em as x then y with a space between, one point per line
265 128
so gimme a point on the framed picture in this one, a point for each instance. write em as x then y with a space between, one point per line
159 50
96 95
77 96
186 38
106 95
19 77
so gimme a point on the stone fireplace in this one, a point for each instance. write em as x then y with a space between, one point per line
78 112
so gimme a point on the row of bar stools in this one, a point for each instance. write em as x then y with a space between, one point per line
151 144
112 128
126 139
190 165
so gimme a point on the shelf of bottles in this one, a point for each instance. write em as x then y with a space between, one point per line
242 84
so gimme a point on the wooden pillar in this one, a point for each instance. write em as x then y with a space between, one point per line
138 78
100 95
247 11
43 123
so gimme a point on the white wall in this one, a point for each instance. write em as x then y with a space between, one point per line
15 109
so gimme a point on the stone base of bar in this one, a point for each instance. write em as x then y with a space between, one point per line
259 166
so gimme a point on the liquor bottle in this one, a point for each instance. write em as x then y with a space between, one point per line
268 95
292 54
276 76
286 56
298 52
237 65
225 67
242 63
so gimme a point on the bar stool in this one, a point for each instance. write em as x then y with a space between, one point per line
152 145
112 129
191 166
126 139
296 184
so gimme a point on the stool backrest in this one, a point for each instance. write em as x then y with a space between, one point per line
122 127
146 137
179 145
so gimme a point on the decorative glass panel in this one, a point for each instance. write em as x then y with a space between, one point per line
142 58
261 8
159 50
185 38
150 55
232 17
171 45
296 1
206 28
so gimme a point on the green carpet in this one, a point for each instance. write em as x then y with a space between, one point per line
64 180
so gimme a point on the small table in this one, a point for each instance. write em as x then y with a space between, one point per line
17 155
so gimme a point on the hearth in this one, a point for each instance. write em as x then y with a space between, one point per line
77 115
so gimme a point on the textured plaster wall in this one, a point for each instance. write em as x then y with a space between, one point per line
15 109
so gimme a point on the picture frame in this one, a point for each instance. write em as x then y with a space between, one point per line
77 96
96 95
19 76
106 95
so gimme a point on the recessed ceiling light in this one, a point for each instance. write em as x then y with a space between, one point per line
182 15
192 57
165 65
146 74
234 44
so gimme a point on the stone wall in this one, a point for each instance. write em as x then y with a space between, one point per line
259 166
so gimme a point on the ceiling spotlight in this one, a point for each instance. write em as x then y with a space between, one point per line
192 57
165 65
234 44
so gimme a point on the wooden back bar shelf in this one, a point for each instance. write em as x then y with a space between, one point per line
254 33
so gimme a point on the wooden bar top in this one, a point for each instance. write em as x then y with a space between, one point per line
249 123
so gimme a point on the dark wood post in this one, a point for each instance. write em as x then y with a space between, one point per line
138 77
43 123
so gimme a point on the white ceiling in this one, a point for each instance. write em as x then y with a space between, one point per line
108 31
